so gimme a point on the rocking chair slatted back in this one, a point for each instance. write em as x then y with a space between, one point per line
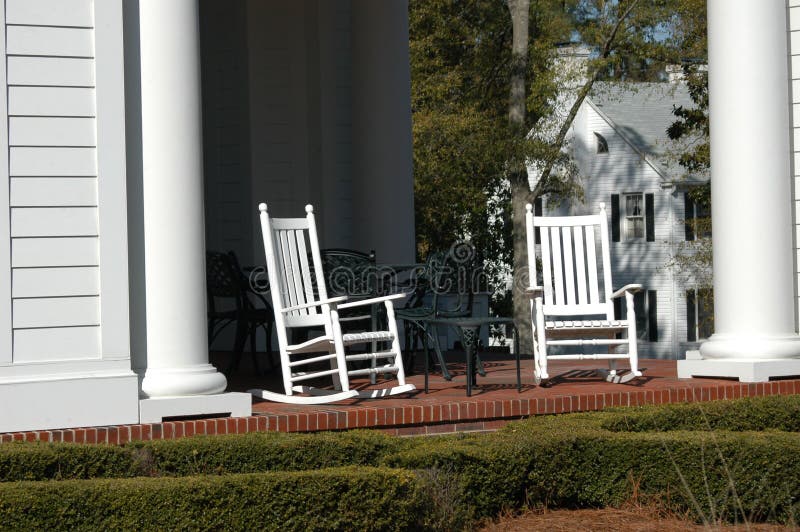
293 237
571 280
570 264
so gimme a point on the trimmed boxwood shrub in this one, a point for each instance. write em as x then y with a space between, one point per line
330 499
731 460
779 412
247 453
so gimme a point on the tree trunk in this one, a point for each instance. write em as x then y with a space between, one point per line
520 195
520 190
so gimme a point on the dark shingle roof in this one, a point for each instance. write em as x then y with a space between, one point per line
642 112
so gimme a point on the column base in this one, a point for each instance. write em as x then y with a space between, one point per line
155 410
202 379
753 370
751 347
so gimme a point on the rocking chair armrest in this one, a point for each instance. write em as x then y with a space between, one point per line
632 288
534 291
319 303
373 300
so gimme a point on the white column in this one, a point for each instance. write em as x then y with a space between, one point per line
754 315
383 183
177 352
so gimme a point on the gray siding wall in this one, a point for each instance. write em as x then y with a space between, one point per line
300 109
59 174
277 89
226 133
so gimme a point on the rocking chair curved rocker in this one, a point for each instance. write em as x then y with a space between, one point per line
572 308
300 299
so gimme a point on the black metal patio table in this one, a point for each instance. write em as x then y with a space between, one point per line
469 330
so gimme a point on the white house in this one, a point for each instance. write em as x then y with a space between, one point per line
625 160
119 117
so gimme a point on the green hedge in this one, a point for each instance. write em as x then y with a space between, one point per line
330 499
704 457
571 461
779 412
248 453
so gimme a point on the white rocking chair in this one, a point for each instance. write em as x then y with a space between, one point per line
568 310
300 299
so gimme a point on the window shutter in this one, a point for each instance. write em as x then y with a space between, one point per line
649 217
688 210
652 316
691 318
537 211
615 217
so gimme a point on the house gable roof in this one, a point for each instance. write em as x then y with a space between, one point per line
641 113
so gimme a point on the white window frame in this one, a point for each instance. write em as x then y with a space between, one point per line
628 218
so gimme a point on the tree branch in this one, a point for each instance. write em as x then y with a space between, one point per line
582 93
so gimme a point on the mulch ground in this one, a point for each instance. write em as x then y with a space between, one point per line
624 520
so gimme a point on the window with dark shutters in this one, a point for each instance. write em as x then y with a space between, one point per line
633 217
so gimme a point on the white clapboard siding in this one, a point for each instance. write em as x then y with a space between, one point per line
51 344
52 282
53 162
56 312
51 131
53 191
50 12
39 252
51 101
53 221
49 41
52 71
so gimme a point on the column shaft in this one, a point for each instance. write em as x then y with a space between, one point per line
751 192
177 352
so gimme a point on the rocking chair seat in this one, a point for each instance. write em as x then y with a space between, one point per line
372 336
620 325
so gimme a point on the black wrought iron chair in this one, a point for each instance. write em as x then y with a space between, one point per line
226 282
449 274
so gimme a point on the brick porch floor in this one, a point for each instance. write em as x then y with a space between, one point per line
495 402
